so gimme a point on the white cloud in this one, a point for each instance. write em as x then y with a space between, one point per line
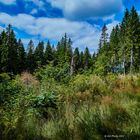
38 3
82 9
34 11
8 2
111 25
82 33
25 41
1 29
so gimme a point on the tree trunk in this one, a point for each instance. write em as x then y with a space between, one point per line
131 60
72 66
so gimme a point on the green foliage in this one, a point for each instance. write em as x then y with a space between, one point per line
4 77
21 57
49 54
30 57
43 103
39 54
8 51
121 53
8 88
58 73
80 83
89 107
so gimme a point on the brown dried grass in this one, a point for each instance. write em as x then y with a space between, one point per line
28 79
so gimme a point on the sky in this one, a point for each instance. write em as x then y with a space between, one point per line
82 20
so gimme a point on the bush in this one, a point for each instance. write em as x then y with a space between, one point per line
43 102
80 83
4 77
8 89
60 74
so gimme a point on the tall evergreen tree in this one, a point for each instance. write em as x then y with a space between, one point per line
81 65
49 55
93 60
87 58
134 37
114 49
68 51
64 50
104 36
11 50
39 54
102 63
76 56
30 57
21 57
124 42
3 52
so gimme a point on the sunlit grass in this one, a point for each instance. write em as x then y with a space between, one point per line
87 108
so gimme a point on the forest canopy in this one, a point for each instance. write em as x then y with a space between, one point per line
117 53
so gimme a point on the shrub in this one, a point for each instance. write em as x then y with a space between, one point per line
80 83
60 74
4 77
8 89
43 102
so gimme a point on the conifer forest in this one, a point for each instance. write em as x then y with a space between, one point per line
58 92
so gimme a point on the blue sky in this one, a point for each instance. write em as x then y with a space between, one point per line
82 20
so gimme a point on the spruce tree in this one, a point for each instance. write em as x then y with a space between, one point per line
114 49
102 64
21 57
30 57
3 52
11 46
87 58
93 60
39 54
124 42
81 64
49 55
68 51
104 37
134 37
76 56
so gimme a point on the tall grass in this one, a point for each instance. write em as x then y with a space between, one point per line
88 108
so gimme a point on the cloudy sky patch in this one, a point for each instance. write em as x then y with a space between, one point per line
82 20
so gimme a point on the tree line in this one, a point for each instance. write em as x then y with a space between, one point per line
14 58
117 53
120 53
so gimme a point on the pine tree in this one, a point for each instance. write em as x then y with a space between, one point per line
134 35
87 58
114 49
93 60
102 64
62 53
39 54
76 57
0 53
69 51
81 63
124 42
49 55
3 52
64 50
11 50
30 57
21 57
104 36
